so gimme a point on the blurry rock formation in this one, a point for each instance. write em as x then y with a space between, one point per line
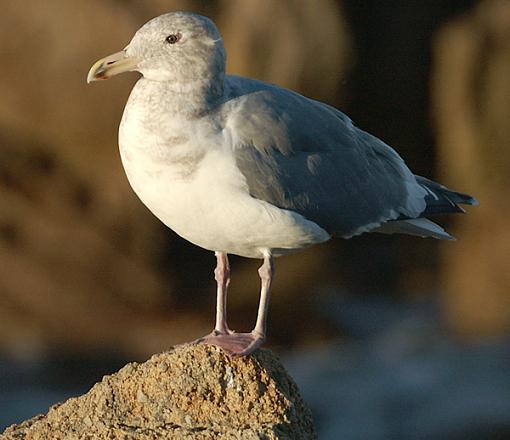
471 88
191 392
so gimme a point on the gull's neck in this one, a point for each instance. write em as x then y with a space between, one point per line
192 98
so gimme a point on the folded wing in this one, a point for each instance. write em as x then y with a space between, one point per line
302 155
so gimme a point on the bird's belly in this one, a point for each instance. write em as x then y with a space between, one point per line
210 211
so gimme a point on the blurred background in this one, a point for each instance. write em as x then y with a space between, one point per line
389 337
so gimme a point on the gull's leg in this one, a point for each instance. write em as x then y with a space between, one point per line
258 335
222 275
266 273
242 344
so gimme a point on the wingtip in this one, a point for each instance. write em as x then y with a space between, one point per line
473 202
466 199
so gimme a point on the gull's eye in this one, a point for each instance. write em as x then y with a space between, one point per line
173 38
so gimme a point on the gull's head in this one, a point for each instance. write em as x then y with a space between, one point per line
180 47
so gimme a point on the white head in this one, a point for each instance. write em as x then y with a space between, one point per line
178 47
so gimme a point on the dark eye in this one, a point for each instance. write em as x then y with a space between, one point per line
173 38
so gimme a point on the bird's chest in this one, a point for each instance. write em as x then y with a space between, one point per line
190 185
162 163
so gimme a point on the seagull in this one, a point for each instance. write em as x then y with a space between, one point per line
240 166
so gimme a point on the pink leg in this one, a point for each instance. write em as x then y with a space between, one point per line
242 344
222 275
266 273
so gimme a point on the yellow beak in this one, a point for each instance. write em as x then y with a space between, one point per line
114 64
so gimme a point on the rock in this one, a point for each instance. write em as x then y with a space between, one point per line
190 392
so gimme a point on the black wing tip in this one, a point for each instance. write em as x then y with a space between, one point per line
465 199
472 201
453 197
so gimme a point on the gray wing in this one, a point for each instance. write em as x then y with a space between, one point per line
305 156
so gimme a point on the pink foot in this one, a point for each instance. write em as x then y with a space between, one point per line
235 344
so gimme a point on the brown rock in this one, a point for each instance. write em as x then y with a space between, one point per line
190 392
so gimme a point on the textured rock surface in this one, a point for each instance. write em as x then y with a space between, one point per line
190 392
